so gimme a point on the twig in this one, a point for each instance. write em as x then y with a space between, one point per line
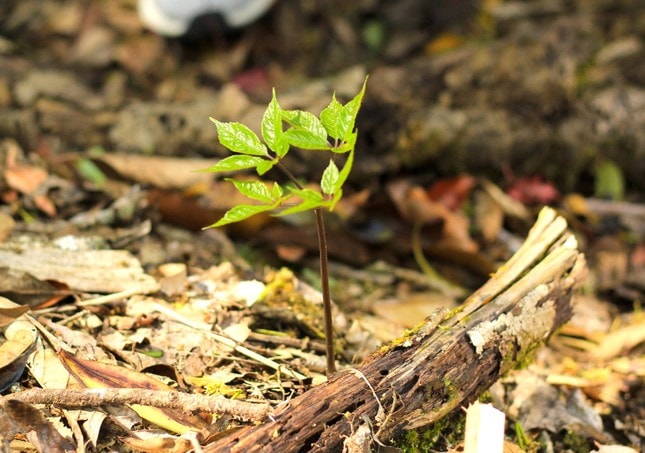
300 343
108 298
155 398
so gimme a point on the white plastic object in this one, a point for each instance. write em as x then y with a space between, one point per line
484 429
173 17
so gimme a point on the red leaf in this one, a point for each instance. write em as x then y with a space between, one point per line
452 192
533 190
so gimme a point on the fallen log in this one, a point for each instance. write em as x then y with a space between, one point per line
447 362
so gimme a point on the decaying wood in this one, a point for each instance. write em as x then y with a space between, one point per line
447 363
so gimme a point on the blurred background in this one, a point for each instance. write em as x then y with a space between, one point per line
525 102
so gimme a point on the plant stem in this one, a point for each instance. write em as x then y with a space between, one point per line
324 278
324 282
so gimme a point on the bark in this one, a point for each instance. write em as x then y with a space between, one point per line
446 363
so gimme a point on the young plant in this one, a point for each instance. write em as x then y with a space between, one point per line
333 131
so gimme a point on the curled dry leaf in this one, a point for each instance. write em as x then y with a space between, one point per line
414 203
14 352
489 216
103 375
157 443
10 311
20 336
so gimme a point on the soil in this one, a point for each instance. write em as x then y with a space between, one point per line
490 107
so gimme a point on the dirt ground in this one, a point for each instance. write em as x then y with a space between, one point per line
476 115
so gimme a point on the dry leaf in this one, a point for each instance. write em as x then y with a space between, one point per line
47 369
489 216
25 178
408 311
452 192
82 270
158 171
620 341
139 54
27 418
14 352
10 311
415 205
533 191
613 449
94 374
6 226
158 443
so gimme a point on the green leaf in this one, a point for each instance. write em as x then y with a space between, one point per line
281 146
343 175
330 116
239 213
307 194
255 190
277 191
265 166
347 117
307 131
347 145
305 120
271 126
239 138
329 179
305 139
306 205
311 199
91 172
237 162
609 182
337 196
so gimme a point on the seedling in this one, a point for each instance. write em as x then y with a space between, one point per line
332 131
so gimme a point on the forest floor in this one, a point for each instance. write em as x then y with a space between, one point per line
476 115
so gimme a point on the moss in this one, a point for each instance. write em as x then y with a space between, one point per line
576 443
450 390
455 311
283 302
485 397
527 357
423 328
404 340
410 441
514 358
441 435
